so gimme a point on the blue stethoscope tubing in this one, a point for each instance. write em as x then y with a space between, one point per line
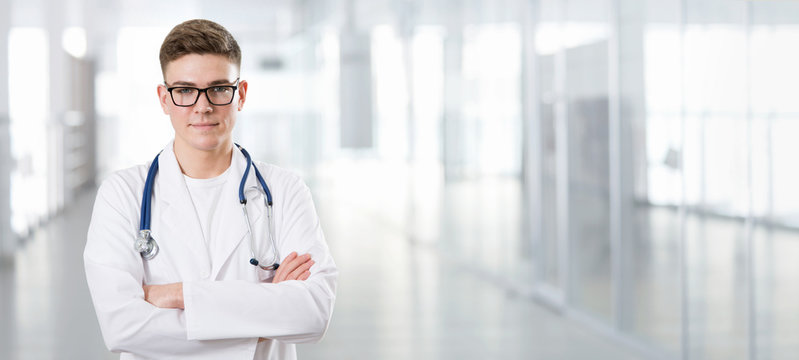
147 246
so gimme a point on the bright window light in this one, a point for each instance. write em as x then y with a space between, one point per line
73 40
29 107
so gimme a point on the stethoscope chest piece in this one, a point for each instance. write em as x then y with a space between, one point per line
146 245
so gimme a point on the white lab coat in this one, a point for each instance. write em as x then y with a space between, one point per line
229 303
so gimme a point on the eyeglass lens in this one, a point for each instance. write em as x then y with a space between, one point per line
220 95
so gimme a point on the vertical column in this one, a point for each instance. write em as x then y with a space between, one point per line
615 153
59 102
7 240
630 126
453 75
406 29
685 326
749 246
561 116
531 135
356 83
102 41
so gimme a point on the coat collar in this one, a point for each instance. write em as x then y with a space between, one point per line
179 221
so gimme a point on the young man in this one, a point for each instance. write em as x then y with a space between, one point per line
197 284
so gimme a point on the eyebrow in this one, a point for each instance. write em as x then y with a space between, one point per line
212 83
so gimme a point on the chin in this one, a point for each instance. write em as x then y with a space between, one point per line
205 143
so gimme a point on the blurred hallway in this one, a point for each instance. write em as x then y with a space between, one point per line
517 179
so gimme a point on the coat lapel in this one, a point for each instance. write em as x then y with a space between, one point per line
178 221
230 225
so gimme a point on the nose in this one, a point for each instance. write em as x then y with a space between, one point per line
203 105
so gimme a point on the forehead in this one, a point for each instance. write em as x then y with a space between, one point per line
200 69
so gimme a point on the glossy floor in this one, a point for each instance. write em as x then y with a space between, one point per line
398 298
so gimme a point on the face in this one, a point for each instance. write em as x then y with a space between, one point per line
202 126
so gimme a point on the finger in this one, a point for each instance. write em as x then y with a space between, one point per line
286 268
289 267
293 265
283 270
290 257
297 261
279 275
305 276
301 269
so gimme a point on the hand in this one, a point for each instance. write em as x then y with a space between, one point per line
294 267
168 296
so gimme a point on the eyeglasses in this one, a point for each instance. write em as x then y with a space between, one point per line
217 95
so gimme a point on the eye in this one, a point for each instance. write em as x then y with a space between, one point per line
220 89
184 91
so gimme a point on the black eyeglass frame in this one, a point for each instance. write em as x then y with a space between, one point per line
200 91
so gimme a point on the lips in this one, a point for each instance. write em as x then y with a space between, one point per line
204 126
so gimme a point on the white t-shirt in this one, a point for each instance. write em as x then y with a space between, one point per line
205 194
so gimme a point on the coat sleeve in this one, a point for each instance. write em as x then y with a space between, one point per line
115 273
291 311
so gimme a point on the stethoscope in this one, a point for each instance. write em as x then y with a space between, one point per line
148 248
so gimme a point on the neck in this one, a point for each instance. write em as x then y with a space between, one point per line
203 164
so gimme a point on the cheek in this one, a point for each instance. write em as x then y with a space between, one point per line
178 118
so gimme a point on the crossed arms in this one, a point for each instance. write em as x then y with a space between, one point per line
170 296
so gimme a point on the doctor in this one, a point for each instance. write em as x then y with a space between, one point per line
197 296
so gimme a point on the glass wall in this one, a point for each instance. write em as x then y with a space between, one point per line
773 125
665 132
651 139
658 157
586 96
549 66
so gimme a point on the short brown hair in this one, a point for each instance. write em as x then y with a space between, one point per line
199 36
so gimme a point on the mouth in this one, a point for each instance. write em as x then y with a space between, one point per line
204 126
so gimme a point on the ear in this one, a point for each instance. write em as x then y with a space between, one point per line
242 94
163 98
